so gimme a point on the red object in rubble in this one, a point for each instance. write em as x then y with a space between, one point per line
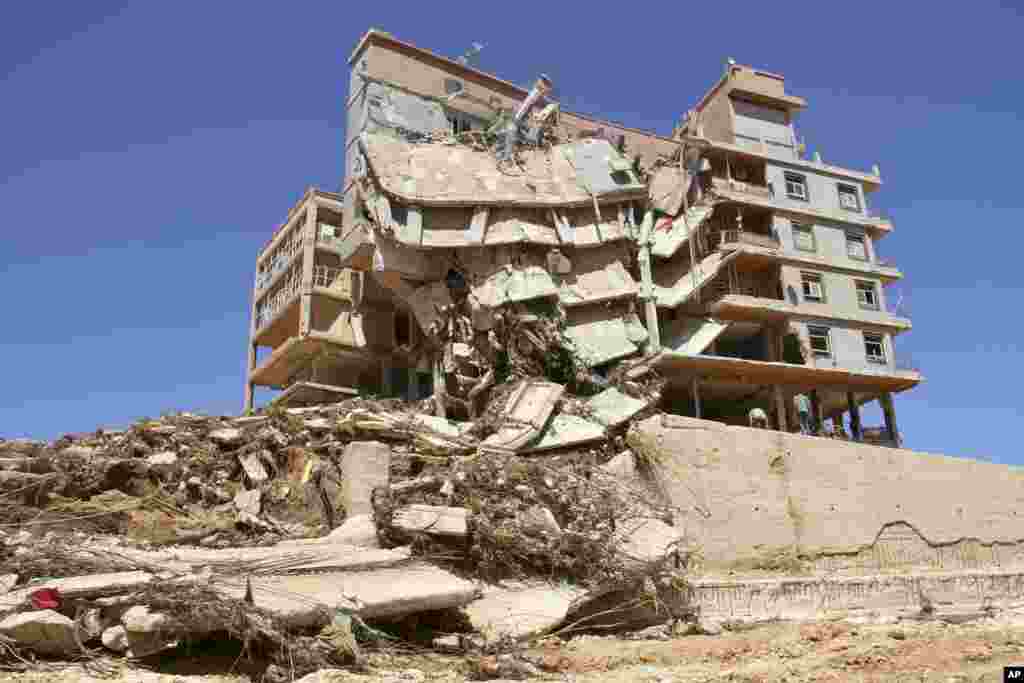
45 598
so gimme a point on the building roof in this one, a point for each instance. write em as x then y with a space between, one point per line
457 175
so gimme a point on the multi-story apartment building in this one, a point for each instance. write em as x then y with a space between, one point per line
747 273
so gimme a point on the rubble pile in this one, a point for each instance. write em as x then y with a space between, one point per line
317 533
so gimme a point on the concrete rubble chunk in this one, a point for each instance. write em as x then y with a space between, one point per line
622 465
567 430
668 188
318 424
358 530
254 469
115 638
648 540
539 520
44 631
149 632
386 593
8 582
248 502
164 464
90 586
432 519
366 465
612 408
526 414
227 436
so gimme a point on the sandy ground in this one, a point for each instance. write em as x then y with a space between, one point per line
779 652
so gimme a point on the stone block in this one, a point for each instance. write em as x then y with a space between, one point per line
45 631
432 519
365 465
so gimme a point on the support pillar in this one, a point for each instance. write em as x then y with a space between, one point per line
647 283
440 393
889 411
695 387
816 415
250 365
780 408
855 430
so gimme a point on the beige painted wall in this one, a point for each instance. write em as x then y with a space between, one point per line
745 495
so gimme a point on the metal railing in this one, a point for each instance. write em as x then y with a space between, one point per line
738 237
753 189
337 279
279 259
274 302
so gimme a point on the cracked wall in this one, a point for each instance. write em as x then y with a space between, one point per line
751 498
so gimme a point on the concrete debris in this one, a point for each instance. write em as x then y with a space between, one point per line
431 519
163 464
622 465
566 431
521 610
227 436
248 502
7 582
148 632
526 414
115 638
357 530
46 632
539 520
366 466
613 408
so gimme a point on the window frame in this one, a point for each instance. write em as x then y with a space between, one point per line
854 237
809 228
862 285
797 179
879 340
851 190
807 276
822 332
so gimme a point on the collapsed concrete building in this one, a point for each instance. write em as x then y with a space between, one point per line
478 224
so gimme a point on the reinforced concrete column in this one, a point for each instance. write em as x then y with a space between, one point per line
855 428
647 283
889 411
695 388
780 408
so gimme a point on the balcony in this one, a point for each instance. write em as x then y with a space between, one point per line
277 300
279 260
340 282
730 237
751 189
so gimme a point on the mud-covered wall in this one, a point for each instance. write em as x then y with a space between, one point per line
758 499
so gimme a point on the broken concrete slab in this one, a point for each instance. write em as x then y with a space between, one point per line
254 469
526 414
648 540
521 610
539 520
115 638
228 436
384 593
91 586
45 631
564 431
432 519
597 338
248 502
366 465
612 408
668 188
149 632
622 465
164 464
358 531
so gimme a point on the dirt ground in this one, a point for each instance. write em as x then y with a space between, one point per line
779 652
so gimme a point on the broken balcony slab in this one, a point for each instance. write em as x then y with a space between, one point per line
442 426
612 408
302 394
516 226
512 284
521 610
668 188
588 229
675 283
425 174
670 234
599 336
691 335
299 600
392 108
526 414
597 276
564 431
436 520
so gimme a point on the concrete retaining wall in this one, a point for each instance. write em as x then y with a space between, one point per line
750 498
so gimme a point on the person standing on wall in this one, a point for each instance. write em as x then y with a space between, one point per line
803 409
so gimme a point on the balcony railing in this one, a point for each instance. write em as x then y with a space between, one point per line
277 300
338 280
752 238
753 189
278 260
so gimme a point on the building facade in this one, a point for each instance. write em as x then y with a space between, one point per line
744 272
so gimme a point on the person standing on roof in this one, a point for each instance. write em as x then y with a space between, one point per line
803 409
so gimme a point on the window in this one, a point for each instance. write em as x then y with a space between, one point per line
856 248
813 289
874 347
796 186
820 345
867 295
803 237
848 197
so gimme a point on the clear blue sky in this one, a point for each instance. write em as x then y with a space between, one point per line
148 150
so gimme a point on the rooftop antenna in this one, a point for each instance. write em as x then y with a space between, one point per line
469 58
